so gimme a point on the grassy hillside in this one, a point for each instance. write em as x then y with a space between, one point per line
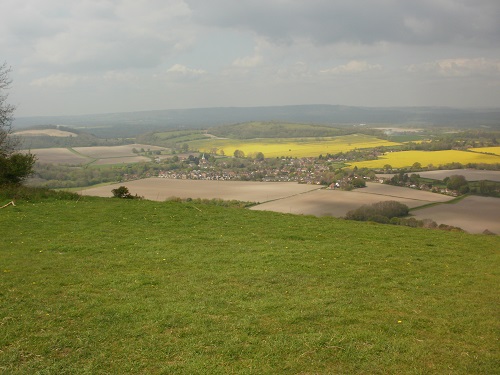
259 129
78 138
107 286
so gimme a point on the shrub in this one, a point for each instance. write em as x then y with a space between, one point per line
122 192
32 194
380 212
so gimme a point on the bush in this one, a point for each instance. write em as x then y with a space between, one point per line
381 212
457 182
122 192
33 194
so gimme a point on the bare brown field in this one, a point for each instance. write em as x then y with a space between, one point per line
328 203
402 192
99 152
337 202
59 156
469 174
121 160
160 189
47 132
473 214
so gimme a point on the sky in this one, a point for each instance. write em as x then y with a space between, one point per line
104 56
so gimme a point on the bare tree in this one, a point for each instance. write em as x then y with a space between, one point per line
14 166
8 143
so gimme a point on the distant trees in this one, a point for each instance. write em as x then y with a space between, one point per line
14 166
239 154
458 183
380 212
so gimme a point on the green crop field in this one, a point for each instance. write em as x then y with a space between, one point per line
407 158
109 286
290 147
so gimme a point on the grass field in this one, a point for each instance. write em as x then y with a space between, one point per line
46 132
305 199
407 158
101 286
60 156
290 147
97 155
100 152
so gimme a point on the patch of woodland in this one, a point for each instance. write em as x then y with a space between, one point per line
393 212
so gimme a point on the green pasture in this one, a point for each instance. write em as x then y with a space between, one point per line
109 286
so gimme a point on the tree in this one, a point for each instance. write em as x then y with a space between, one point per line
14 166
457 182
416 166
381 212
7 143
122 192
239 154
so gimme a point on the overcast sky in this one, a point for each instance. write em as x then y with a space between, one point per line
96 56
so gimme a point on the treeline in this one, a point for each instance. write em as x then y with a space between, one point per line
175 139
252 130
393 212
455 183
457 141
60 176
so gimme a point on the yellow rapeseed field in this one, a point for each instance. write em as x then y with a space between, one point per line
487 150
290 147
408 158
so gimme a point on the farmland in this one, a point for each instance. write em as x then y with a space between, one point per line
46 132
474 214
469 174
99 155
408 158
487 150
304 199
160 189
101 152
290 147
110 286
338 202
60 156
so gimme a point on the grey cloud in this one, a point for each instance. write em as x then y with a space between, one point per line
367 22
93 35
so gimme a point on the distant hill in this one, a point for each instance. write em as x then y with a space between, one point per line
129 124
61 136
259 129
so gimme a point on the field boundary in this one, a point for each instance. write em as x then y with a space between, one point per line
289 196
